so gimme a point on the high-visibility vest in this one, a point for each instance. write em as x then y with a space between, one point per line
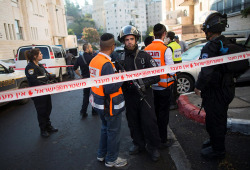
157 50
176 55
97 96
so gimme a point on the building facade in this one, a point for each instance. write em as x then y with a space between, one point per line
154 12
26 22
99 14
185 17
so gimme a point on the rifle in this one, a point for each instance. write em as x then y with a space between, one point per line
138 87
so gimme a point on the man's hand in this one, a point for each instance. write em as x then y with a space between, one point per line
197 92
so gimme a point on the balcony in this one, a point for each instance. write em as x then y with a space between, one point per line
178 18
186 2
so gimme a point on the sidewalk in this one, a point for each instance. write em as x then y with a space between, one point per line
238 113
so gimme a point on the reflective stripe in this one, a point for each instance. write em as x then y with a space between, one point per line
119 106
98 106
167 80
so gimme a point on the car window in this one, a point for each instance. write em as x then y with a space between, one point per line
192 53
2 69
57 52
44 51
21 53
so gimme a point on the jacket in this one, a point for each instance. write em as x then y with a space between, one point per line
176 49
105 98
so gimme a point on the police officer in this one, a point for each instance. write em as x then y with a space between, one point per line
216 87
109 102
162 90
37 75
139 101
83 62
176 55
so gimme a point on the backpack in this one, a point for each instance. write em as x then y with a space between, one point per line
237 67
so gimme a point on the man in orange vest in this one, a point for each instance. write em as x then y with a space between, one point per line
108 102
162 90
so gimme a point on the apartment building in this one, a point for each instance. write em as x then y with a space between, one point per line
154 12
120 13
185 17
26 22
99 14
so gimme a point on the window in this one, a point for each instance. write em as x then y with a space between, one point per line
6 31
230 6
57 52
18 30
10 31
2 69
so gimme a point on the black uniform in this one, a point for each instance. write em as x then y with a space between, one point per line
141 118
84 66
37 75
217 91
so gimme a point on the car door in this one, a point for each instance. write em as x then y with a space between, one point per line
59 58
7 79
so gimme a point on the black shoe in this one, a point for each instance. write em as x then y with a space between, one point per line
154 153
166 144
173 107
210 153
206 144
135 149
83 114
52 129
44 133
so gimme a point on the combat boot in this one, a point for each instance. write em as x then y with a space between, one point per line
206 144
210 153
44 134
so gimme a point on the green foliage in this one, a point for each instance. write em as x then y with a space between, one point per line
245 12
80 22
71 32
90 35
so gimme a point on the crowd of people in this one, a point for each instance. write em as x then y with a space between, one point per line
145 102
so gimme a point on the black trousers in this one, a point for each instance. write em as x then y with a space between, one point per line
141 118
162 100
85 102
43 107
216 102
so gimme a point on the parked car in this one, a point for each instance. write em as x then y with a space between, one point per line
186 79
193 42
52 56
10 80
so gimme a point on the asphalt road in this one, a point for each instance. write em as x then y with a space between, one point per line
191 135
72 148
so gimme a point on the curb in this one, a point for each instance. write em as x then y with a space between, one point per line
189 110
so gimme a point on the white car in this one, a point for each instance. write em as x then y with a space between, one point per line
52 56
186 79
10 80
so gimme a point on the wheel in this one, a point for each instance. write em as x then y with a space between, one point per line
184 84
26 100
60 77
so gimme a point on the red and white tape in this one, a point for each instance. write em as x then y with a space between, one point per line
118 77
47 67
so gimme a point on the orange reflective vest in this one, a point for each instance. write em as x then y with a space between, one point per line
157 50
97 96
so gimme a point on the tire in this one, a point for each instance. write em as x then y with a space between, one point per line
26 100
60 77
185 84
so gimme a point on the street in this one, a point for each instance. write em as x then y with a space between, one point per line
76 143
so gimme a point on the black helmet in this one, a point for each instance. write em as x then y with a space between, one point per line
128 30
215 22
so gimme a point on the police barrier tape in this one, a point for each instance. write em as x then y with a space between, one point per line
118 77
48 67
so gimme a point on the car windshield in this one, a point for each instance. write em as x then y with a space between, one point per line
44 51
192 53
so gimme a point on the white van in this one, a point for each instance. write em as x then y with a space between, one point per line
52 56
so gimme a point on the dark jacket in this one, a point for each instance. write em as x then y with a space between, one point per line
36 75
84 66
214 77
143 60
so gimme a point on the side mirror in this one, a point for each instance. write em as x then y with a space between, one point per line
11 70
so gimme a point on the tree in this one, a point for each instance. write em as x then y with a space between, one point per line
149 31
71 32
90 35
